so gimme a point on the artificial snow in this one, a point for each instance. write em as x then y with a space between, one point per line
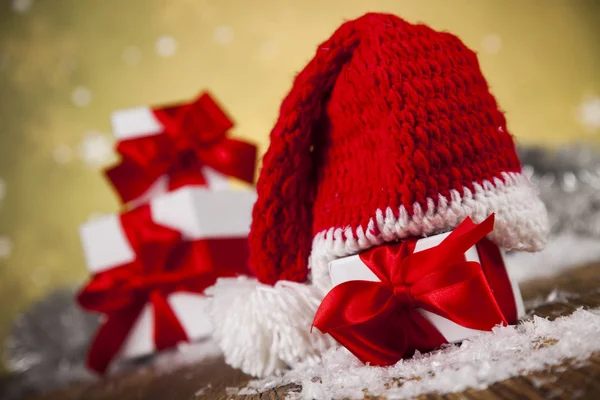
202 391
555 296
231 391
478 362
563 252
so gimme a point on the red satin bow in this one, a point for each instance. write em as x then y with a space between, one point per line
379 322
164 264
194 135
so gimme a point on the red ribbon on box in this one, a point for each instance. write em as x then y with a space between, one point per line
194 136
378 321
164 264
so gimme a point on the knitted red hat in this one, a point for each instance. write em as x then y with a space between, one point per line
389 132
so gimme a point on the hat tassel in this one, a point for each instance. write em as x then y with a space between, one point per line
264 329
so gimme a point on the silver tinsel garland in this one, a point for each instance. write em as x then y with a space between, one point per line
47 345
569 184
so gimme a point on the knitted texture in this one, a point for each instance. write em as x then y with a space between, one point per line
387 117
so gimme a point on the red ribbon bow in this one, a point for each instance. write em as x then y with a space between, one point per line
379 321
194 135
163 264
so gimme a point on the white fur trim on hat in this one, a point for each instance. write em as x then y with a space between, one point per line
521 222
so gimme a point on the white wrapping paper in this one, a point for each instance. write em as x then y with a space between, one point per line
352 268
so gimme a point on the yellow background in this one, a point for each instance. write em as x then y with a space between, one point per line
66 64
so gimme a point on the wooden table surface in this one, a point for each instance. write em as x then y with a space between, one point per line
214 377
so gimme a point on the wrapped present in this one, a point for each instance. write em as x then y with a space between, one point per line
418 294
165 148
151 264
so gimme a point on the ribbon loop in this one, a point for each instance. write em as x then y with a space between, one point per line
403 296
364 316
194 135
163 264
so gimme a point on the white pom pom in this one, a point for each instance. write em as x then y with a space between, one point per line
263 329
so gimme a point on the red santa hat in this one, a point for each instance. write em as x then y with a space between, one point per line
389 132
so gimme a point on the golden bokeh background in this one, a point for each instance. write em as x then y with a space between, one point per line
65 65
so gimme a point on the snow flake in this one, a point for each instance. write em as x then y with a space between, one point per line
166 46
22 6
6 246
132 55
492 43
589 113
81 96
62 154
223 35
95 149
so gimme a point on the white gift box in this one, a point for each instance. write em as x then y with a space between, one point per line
198 213
141 121
353 269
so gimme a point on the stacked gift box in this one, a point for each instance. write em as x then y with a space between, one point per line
183 226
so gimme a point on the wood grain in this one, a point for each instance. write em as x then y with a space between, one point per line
214 380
